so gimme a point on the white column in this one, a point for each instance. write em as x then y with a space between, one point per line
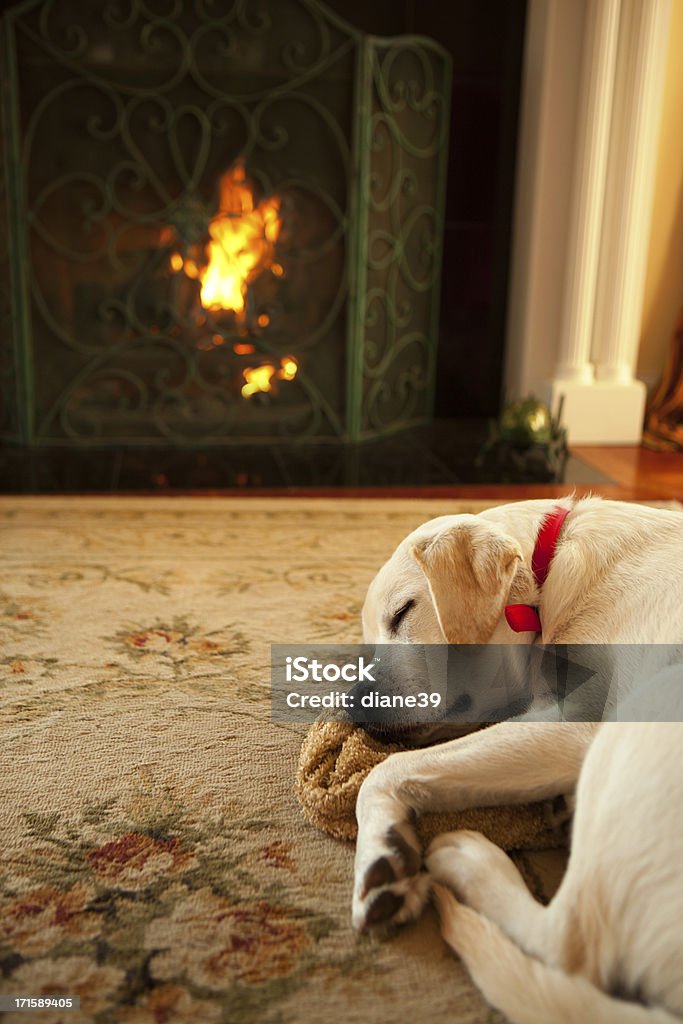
630 189
601 32
609 410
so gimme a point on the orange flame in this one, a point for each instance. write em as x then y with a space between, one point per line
259 378
242 244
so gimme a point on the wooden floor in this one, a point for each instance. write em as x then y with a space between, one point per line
637 472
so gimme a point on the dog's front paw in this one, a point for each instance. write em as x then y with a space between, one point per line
390 886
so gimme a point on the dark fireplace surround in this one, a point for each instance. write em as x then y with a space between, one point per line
143 136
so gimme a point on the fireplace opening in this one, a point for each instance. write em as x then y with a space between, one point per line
226 231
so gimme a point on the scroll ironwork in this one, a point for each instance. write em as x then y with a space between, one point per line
119 119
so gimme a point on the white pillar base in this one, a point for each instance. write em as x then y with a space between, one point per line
604 412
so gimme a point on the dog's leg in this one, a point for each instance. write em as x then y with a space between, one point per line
483 877
508 763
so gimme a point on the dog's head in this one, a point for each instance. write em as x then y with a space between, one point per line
447 582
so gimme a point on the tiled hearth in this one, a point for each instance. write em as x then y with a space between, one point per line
442 455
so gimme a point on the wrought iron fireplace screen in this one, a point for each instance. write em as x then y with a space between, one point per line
224 222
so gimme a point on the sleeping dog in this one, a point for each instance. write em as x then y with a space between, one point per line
565 572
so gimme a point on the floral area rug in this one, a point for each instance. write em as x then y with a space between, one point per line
154 860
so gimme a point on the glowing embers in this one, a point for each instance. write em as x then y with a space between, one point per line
260 378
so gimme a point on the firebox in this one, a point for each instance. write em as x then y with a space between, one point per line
224 223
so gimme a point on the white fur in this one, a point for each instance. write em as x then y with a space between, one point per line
616 923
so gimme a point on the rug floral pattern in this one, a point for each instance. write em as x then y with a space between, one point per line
154 861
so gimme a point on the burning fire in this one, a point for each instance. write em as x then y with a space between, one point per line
242 245
258 378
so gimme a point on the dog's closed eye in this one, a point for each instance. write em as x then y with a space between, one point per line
398 616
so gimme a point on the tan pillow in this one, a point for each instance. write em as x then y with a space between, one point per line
336 757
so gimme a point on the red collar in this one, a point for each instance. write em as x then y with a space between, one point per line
524 618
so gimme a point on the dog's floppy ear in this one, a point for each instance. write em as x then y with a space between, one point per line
469 568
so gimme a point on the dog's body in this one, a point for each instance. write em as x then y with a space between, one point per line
617 920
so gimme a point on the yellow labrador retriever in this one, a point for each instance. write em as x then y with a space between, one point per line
609 947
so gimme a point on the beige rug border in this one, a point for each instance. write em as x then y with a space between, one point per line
99 502
183 503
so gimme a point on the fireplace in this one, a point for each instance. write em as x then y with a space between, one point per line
225 224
